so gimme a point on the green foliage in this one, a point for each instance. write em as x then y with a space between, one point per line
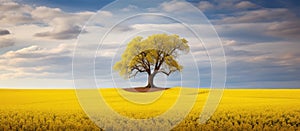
155 54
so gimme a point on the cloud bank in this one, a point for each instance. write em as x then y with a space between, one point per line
260 40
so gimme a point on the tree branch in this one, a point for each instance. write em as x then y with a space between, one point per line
137 68
158 58
167 73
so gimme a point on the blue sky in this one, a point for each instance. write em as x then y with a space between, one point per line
260 40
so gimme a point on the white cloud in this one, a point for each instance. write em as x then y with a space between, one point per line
205 5
36 62
61 29
105 13
175 5
226 6
245 5
130 8
14 13
9 5
155 26
229 42
45 13
64 25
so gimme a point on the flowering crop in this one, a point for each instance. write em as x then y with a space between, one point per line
239 109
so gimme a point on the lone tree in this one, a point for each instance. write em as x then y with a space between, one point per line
155 54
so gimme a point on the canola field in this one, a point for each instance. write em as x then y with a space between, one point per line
239 109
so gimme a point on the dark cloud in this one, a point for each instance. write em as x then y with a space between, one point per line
260 15
4 32
287 29
241 72
254 21
6 42
268 26
229 51
124 28
6 39
70 33
245 32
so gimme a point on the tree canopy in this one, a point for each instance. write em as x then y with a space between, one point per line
157 53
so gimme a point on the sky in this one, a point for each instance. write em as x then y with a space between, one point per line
260 40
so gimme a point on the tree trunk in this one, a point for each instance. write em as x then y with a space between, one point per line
151 80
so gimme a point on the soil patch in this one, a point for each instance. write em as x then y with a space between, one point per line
144 89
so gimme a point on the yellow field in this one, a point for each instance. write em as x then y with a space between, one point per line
241 109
